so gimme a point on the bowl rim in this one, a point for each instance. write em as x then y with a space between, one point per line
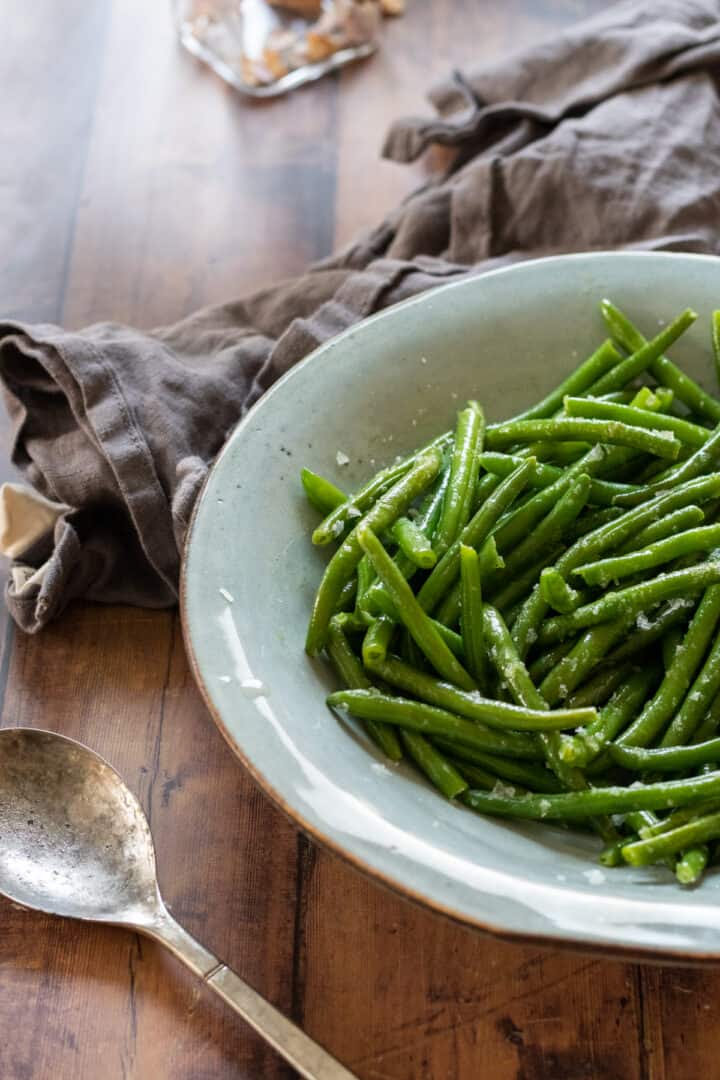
574 941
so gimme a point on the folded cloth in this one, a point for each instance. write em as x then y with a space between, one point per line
607 136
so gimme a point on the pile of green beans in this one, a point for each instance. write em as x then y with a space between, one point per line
528 612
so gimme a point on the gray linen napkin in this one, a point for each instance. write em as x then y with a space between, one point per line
605 137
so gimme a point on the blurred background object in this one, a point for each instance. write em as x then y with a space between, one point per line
266 47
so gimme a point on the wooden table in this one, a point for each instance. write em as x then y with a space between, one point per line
134 186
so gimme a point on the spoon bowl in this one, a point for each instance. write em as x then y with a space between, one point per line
75 842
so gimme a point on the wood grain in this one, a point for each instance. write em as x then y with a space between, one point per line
138 187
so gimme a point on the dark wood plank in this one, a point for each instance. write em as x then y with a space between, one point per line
191 195
430 999
49 71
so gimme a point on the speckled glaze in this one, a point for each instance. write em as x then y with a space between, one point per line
250 572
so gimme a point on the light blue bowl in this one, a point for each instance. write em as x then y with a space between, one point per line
379 390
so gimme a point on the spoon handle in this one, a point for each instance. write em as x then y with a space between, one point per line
306 1056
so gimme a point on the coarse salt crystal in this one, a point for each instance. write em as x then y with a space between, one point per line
226 595
341 458
594 876
504 790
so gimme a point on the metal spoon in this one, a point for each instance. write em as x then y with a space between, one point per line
75 842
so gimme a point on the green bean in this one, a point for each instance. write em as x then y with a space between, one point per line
614 568
638 819
453 641
351 672
708 729
489 560
321 493
647 398
643 356
601 686
611 854
512 671
606 800
591 520
665 396
507 663
377 639
623 396
463 470
606 538
344 659
697 701
365 578
691 865
431 720
348 595
603 359
551 528
559 453
353 622
496 714
556 592
361 502
417 622
677 679
484 488
376 601
670 645
441 772
540 666
663 759
716 349
518 523
694 466
663 369
680 817
521 583
583 747
585 655
687 517
529 775
525 694
474 535
602 492
591 409
645 852
631 600
480 777
661 443
648 631
413 543
471 617
387 508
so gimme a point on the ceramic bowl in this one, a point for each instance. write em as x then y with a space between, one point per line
381 389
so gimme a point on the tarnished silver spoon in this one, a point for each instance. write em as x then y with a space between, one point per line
75 842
